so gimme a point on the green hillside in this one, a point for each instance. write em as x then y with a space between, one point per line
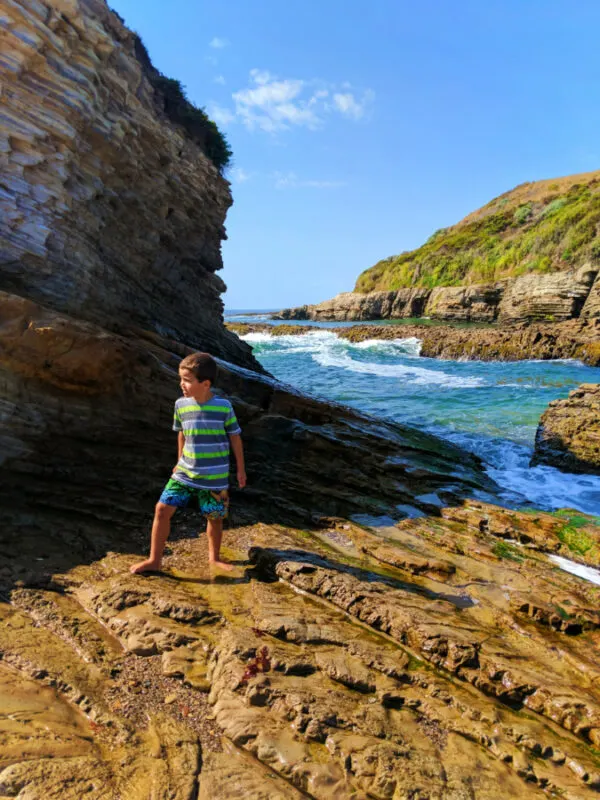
545 226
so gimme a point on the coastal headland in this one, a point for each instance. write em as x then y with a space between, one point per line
389 629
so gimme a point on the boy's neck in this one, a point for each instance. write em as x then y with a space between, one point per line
204 397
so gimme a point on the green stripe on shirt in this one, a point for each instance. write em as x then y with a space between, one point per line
202 431
185 409
192 454
195 476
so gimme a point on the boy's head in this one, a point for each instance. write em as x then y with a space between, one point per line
197 373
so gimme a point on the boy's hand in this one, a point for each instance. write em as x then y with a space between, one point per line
241 478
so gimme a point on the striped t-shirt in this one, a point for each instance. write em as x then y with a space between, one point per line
204 462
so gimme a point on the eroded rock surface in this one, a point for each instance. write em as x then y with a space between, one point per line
568 435
439 672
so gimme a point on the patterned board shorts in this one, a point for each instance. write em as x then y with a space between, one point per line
213 505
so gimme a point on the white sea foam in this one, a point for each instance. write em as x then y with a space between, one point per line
394 347
408 372
507 463
328 350
587 573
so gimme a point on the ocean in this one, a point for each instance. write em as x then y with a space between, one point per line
490 408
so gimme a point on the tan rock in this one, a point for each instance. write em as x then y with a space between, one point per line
568 436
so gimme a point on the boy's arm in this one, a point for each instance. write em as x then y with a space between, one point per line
238 451
180 443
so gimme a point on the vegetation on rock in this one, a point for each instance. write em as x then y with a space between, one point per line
538 227
171 98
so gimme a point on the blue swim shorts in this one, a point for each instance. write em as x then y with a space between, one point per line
213 505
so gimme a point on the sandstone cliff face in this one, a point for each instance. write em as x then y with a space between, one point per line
551 298
554 297
107 210
568 436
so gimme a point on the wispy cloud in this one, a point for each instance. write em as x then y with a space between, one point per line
220 80
217 43
239 175
289 180
347 104
273 104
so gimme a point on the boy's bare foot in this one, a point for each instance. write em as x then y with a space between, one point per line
221 565
145 566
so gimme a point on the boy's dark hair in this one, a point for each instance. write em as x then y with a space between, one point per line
201 365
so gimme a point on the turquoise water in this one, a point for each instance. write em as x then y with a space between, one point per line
490 408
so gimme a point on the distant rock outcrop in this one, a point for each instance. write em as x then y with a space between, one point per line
545 298
531 254
568 436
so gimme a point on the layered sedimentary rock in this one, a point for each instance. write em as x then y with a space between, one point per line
578 339
86 430
340 662
465 303
591 307
568 435
553 298
352 305
108 211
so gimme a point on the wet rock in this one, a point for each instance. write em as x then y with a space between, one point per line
532 340
568 436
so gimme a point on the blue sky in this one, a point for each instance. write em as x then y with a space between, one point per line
359 128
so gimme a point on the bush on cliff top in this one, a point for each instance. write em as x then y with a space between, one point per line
171 98
548 234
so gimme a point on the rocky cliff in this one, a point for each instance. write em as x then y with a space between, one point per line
109 211
570 294
530 254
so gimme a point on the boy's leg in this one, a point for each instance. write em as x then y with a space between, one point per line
214 531
161 527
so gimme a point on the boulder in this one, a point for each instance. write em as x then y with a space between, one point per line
568 436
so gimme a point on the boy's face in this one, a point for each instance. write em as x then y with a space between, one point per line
191 386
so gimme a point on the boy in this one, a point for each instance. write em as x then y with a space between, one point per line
205 425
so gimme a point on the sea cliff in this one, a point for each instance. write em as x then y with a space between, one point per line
531 254
344 656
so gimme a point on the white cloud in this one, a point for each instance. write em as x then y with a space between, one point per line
239 175
289 180
220 115
347 105
272 104
218 44
220 80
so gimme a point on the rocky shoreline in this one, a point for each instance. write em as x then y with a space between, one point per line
579 339
334 662
388 631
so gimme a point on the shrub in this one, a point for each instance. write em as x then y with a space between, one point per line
554 206
523 213
170 97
